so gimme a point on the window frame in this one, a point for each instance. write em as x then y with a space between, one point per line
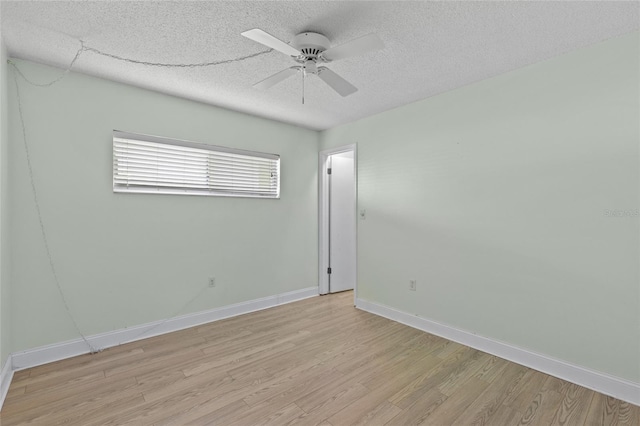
120 187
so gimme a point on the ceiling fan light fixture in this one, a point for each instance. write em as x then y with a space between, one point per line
310 67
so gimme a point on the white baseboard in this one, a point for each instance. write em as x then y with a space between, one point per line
594 380
6 374
57 351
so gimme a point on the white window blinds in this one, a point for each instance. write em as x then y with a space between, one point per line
150 164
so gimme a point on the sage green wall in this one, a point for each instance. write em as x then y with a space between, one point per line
5 285
494 197
127 259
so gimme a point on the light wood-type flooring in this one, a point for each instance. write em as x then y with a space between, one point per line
318 361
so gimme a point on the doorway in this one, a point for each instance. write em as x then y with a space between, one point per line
337 224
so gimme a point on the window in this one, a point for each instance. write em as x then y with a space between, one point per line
149 164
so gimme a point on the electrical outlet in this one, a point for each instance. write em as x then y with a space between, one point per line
412 285
212 282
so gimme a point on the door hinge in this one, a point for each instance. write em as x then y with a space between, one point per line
328 270
329 171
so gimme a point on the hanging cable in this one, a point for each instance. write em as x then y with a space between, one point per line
45 239
83 48
51 83
164 321
166 65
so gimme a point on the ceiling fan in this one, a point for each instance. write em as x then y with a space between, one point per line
309 49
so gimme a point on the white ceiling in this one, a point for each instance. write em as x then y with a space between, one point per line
431 47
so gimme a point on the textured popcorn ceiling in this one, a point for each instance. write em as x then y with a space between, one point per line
431 47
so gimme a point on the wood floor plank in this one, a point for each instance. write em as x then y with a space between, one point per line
80 365
419 411
21 374
302 373
51 376
213 363
629 414
504 415
458 374
380 415
278 401
371 353
491 369
149 362
211 404
448 348
54 383
342 397
603 411
307 345
173 404
194 384
15 391
542 408
556 385
424 341
400 373
526 390
38 412
606 411
360 409
316 361
204 414
573 408
97 412
441 373
320 398
283 416
447 412
498 392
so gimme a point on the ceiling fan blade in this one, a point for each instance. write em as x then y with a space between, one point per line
361 45
337 83
276 78
270 41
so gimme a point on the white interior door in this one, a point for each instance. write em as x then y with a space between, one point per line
342 222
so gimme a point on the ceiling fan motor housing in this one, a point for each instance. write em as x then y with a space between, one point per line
311 44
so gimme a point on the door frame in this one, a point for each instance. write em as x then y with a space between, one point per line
323 215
